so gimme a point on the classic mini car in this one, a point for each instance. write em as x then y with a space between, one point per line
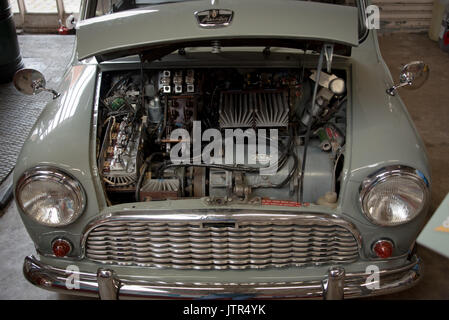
231 149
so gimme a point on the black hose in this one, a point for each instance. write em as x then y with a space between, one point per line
142 84
125 77
290 152
289 176
334 109
309 126
291 173
164 123
166 166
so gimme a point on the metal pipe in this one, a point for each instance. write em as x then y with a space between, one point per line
22 11
61 11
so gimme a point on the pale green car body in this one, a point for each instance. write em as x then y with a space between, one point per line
380 133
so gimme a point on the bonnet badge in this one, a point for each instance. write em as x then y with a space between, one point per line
214 18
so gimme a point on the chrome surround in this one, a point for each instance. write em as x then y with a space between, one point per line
355 284
222 215
217 24
393 171
56 175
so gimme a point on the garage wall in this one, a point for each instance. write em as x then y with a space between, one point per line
42 16
404 15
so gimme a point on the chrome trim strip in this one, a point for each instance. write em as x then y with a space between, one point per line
99 189
361 6
222 215
391 280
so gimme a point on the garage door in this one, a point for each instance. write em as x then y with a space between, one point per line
405 15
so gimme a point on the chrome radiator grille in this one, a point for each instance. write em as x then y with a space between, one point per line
193 245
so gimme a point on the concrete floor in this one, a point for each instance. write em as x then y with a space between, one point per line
428 108
49 54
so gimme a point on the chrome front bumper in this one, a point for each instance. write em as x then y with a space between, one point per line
336 285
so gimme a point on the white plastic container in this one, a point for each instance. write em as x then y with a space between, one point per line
437 15
443 37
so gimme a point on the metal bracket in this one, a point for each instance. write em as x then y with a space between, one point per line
38 86
392 91
108 285
53 92
329 52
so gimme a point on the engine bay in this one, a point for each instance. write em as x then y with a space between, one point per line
265 116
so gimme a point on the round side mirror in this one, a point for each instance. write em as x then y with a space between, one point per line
29 81
414 74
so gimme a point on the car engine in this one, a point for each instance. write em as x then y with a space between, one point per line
266 116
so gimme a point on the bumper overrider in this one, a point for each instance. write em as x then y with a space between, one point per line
337 284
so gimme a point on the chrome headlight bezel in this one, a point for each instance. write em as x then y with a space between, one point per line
56 175
382 175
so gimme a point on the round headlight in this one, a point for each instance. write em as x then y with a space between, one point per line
394 195
50 196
